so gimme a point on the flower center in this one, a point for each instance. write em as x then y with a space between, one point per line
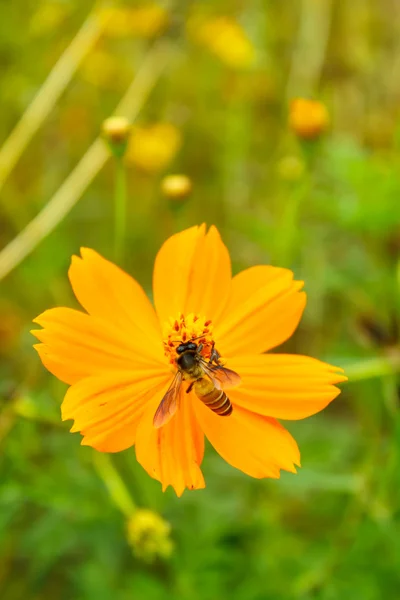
184 329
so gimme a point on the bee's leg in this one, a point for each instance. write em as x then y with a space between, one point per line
212 353
214 356
200 347
190 387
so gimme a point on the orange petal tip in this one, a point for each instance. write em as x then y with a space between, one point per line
65 415
47 316
298 285
75 260
84 250
85 442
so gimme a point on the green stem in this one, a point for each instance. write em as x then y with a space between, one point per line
25 407
120 210
114 483
289 222
374 367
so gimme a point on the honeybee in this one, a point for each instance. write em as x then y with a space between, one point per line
206 379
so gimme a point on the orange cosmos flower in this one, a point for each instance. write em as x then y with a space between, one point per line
120 358
308 118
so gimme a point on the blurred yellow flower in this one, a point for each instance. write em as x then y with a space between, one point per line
48 17
153 147
225 38
101 69
176 187
149 535
291 168
308 118
140 21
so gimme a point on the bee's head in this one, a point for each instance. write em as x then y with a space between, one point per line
186 346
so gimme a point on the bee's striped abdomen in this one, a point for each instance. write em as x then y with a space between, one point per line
218 401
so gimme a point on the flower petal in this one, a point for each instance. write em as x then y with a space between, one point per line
66 371
264 309
192 274
106 291
284 386
107 408
173 453
259 446
76 345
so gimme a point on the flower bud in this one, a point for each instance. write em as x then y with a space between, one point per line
308 119
176 187
116 132
116 129
149 535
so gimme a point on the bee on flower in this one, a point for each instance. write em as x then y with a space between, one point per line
308 119
197 364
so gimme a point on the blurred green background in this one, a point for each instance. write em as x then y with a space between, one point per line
216 109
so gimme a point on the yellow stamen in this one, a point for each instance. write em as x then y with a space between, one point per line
179 330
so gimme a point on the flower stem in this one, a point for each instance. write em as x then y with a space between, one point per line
96 156
114 483
120 210
374 367
289 221
49 93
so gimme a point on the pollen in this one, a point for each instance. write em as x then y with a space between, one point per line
184 328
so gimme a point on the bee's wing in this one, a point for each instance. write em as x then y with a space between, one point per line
221 377
168 405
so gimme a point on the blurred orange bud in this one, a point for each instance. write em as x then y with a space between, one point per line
153 147
225 38
308 119
141 21
176 187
